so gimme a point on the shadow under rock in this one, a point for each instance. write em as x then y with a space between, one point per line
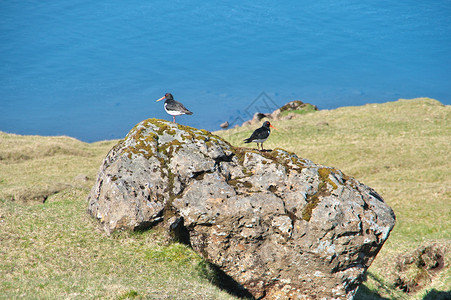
364 293
437 295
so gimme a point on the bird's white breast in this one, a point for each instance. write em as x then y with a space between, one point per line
173 112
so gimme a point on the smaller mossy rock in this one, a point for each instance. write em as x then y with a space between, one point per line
279 225
293 107
285 112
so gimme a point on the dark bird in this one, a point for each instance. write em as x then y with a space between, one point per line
260 135
174 108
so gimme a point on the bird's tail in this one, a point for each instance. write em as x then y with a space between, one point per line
186 110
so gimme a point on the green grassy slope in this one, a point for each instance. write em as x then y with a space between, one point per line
55 249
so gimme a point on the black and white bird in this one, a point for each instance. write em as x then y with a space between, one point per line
174 108
260 135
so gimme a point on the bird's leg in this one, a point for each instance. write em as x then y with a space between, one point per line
173 120
262 146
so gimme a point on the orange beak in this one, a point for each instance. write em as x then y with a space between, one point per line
161 98
273 127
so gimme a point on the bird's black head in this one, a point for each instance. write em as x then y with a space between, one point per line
167 96
266 124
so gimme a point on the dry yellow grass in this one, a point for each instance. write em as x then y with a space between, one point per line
31 165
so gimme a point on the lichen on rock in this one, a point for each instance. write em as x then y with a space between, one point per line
279 225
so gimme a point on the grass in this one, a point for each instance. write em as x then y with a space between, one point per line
54 249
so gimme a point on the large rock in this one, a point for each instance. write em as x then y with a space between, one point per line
279 225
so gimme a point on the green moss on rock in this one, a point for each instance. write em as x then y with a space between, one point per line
287 159
324 174
313 200
241 152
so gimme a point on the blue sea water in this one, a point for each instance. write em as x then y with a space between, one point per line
93 69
